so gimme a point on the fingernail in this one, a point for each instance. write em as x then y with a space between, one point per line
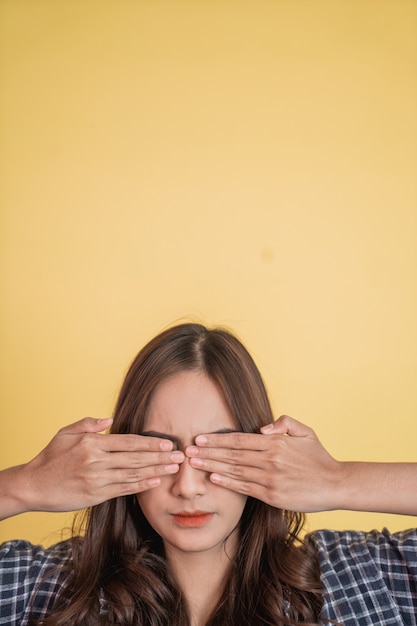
267 429
177 456
105 420
196 462
192 451
201 440
172 468
166 445
216 478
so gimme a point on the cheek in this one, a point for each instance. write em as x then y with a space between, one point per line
156 494
233 503
151 501
240 503
151 507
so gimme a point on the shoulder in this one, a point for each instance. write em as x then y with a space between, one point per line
346 552
20 549
368 575
22 561
30 576
357 543
22 556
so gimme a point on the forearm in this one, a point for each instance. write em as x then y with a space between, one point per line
13 492
378 487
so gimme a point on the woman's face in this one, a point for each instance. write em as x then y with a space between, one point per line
189 512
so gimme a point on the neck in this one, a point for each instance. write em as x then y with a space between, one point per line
201 578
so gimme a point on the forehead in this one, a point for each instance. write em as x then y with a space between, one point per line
187 404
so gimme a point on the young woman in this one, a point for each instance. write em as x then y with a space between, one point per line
196 506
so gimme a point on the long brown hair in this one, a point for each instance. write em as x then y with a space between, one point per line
119 574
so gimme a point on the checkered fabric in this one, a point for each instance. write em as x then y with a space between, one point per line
25 581
369 578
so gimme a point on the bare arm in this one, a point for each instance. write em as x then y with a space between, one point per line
378 487
286 466
81 467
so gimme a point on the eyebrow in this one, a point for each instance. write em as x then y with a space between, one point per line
178 442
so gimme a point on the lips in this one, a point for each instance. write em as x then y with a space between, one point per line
193 519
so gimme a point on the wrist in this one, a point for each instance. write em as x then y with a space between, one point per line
14 492
347 485
358 485
338 486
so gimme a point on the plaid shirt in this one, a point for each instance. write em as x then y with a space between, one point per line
368 578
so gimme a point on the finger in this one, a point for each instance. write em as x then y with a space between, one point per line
234 471
124 482
136 481
136 475
124 489
129 488
247 488
134 443
138 460
87 425
286 425
251 458
233 441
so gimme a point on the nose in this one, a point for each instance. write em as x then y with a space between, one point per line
189 482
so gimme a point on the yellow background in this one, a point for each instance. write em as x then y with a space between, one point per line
245 163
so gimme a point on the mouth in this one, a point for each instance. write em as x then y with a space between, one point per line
192 520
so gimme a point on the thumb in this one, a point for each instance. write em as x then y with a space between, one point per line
87 425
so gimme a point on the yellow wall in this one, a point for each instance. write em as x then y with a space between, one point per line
250 163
